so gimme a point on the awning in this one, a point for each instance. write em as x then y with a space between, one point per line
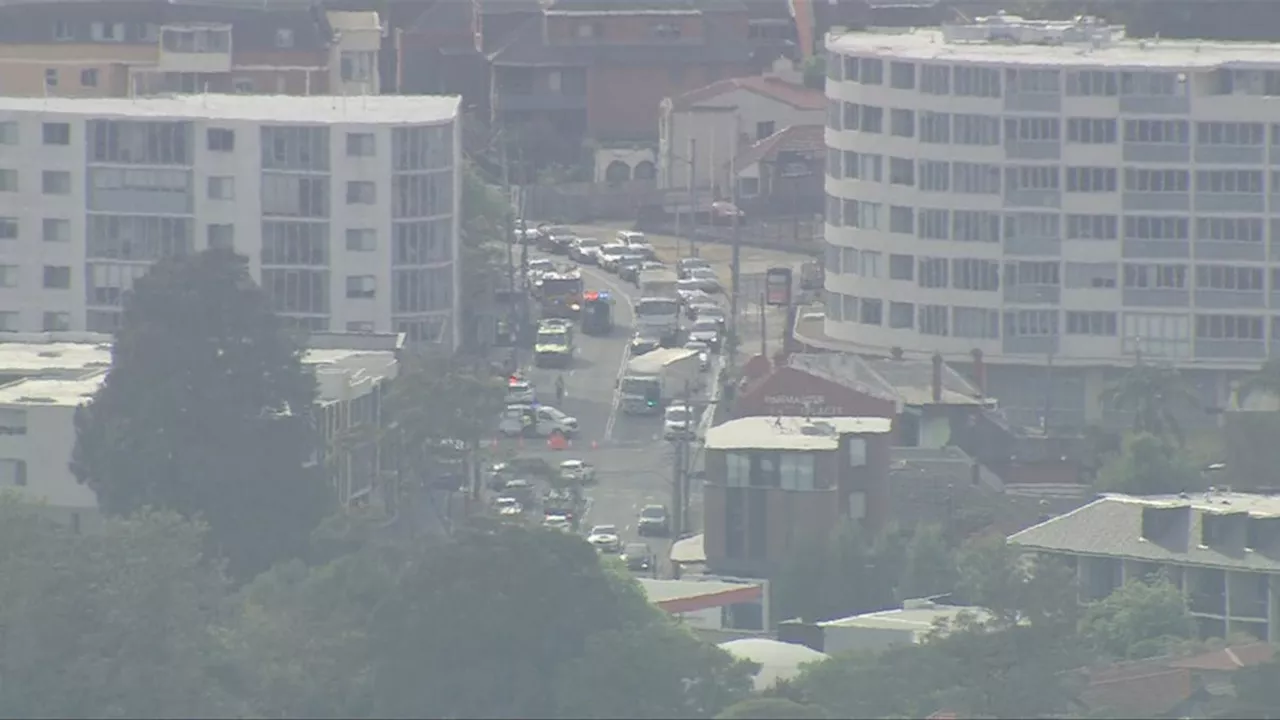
689 551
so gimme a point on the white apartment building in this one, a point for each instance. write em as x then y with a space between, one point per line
44 378
1059 197
347 208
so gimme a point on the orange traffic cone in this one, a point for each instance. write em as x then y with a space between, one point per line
594 445
557 441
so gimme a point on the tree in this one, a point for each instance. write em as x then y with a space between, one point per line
1149 465
1154 394
930 564
479 626
1138 620
832 577
815 72
1014 587
659 670
485 222
206 411
771 709
119 624
1265 382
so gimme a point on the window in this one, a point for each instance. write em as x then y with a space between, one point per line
1032 225
981 130
1157 181
9 132
9 275
13 473
901 220
902 123
1032 273
871 71
863 215
1045 82
1175 132
935 176
1091 131
1091 179
935 127
1229 277
220 236
1231 229
1090 275
975 178
1032 129
902 315
51 77
222 188
764 129
55 133
1153 84
89 77
1156 227
902 75
872 119
870 263
933 224
902 171
1092 227
796 470
292 195
737 469
976 81
1092 83
933 319
1157 333
8 180
1031 323
57 277
357 66
832 214
902 267
361 286
242 86
1230 133
933 272
8 228
360 145
863 166
975 226
284 38
1229 181
1091 323
972 322
10 321
55 182
361 192
974 274
55 230
1161 277
935 79
360 326
1032 177
220 139
833 165
55 322
1229 327
871 312
63 31
362 240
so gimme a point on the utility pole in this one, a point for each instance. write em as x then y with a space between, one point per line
693 197
735 265
764 335
678 480
510 224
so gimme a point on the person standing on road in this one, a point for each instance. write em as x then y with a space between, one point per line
559 389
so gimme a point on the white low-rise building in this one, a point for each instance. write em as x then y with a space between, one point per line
347 207
48 381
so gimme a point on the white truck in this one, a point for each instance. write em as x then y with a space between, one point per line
658 283
657 378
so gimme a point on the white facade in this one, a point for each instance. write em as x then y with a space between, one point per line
707 128
347 208
57 374
1054 192
353 55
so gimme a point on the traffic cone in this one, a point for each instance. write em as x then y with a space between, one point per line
557 441
595 445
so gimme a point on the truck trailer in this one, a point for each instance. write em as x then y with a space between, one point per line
659 377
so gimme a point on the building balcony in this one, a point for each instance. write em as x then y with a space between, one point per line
1172 201
1030 150
1030 344
1231 349
1231 154
1033 198
1033 294
1252 608
1230 250
514 102
1033 102
1231 299
1156 297
1035 247
1156 249
1230 202
195 48
1147 152
1155 104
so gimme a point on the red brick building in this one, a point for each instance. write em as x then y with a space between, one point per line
770 481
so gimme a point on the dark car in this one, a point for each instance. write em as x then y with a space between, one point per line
653 521
638 557
629 267
645 342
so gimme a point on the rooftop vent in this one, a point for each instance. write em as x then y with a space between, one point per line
818 427
37 399
1016 30
49 354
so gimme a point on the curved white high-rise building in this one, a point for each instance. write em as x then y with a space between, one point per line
1056 196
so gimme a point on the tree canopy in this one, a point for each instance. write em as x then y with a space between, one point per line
1154 394
1142 618
1149 465
206 411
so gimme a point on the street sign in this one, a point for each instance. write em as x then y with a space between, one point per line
777 286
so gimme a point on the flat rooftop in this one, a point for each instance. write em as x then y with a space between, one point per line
290 109
914 619
928 44
51 391
791 433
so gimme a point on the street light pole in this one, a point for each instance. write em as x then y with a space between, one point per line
735 264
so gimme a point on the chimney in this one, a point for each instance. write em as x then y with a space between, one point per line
979 372
937 378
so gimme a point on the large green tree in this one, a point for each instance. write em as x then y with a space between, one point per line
117 624
1149 465
1154 394
484 245
771 709
206 411
1142 618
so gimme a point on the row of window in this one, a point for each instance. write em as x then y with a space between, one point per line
50 321
970 81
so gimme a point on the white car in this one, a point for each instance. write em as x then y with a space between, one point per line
508 507
706 280
684 265
579 471
540 267
677 422
704 352
543 420
585 250
520 392
691 292
608 255
605 538
707 330
557 521
636 241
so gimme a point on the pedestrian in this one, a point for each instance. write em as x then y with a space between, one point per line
559 389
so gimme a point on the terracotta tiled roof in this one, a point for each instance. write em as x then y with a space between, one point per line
805 139
793 94
1228 659
1138 689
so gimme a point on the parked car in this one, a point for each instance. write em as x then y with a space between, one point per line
653 521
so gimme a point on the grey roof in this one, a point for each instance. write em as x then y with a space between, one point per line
908 381
526 46
1112 526
843 369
